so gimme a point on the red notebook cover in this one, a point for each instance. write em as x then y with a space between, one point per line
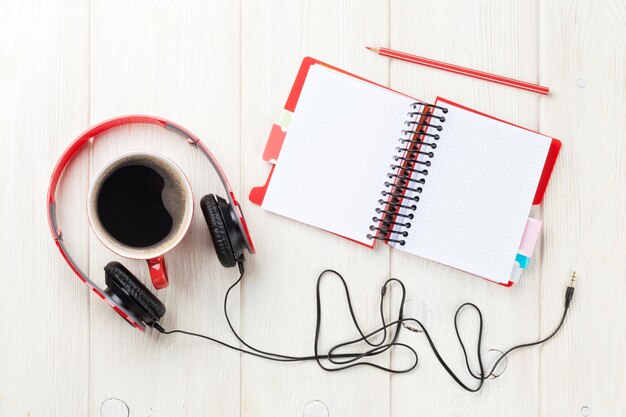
277 135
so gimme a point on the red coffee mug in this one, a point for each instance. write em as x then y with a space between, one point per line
177 198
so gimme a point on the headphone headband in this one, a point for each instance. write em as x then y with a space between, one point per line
81 141
102 127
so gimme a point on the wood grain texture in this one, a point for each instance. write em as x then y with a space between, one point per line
224 70
44 320
278 299
583 57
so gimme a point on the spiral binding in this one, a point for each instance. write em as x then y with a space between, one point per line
408 169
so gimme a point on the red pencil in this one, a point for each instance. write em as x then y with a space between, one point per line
460 70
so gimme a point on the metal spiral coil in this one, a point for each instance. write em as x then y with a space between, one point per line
417 147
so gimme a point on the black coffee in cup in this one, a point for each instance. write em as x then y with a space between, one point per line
140 206
130 206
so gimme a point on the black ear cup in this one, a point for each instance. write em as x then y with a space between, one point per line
134 295
224 231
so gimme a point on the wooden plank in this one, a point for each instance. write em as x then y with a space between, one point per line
582 58
180 61
44 90
501 38
278 298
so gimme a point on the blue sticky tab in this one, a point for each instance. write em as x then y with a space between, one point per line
522 260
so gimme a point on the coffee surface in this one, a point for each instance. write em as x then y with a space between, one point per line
131 208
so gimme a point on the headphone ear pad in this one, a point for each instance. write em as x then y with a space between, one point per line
128 288
217 229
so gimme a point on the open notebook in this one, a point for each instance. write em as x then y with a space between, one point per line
435 180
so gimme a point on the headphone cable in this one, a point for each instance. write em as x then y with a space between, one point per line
342 360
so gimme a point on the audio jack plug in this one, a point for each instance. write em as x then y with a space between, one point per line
569 292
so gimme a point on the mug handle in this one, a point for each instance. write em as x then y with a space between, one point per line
158 272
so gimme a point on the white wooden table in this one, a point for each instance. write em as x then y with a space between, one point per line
223 69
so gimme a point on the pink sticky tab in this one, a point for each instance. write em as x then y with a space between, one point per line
530 236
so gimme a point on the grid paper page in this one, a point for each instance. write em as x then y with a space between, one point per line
478 194
336 154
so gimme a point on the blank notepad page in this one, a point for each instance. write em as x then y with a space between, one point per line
336 153
478 194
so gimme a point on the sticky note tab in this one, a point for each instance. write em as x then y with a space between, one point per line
277 137
284 120
522 260
530 236
516 273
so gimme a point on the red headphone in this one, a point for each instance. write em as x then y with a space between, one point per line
125 293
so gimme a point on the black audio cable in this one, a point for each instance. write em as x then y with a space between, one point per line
339 359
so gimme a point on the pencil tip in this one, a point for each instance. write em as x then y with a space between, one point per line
373 49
